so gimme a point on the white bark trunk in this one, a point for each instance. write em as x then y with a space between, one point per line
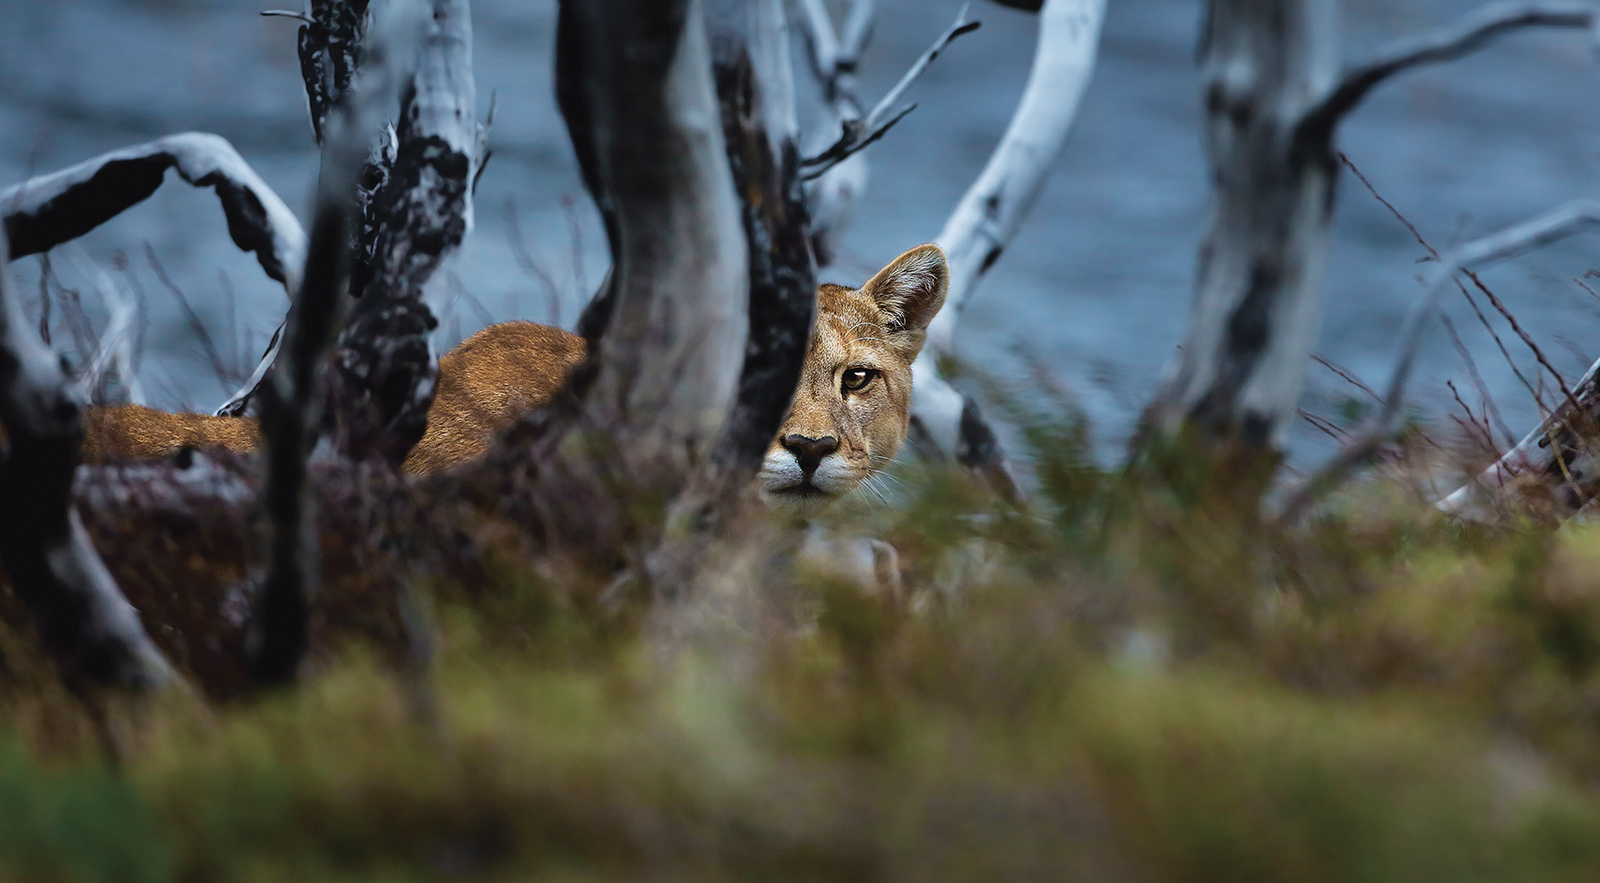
755 87
674 317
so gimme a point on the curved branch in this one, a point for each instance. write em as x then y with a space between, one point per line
44 212
1444 43
1533 233
991 212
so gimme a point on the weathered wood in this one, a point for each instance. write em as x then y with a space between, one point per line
330 47
755 87
668 332
53 566
46 211
1258 298
293 395
835 57
385 368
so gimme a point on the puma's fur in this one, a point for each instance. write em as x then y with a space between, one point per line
850 413
485 383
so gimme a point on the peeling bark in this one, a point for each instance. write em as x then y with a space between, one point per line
385 366
330 55
294 392
755 87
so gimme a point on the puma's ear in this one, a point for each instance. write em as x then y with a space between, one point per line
911 290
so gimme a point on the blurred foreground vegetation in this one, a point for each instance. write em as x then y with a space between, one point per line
1127 683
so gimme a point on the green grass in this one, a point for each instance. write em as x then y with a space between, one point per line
1124 684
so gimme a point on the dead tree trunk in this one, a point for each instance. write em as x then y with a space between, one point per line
1258 299
1273 102
295 391
948 423
755 87
668 331
53 566
385 369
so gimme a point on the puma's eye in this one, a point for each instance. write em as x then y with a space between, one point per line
856 379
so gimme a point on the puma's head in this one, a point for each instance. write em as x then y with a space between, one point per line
852 408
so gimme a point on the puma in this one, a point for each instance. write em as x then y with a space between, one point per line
850 414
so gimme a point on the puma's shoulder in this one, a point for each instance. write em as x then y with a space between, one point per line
134 432
493 377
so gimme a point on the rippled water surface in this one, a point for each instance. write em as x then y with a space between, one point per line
1096 287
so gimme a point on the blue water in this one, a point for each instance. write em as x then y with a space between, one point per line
1096 287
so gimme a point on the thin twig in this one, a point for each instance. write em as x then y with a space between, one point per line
1348 377
1471 301
1542 230
285 13
859 133
1491 412
218 367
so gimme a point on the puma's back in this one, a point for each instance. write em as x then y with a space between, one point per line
848 417
134 432
493 377
484 385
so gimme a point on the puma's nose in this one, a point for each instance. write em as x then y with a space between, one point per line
810 451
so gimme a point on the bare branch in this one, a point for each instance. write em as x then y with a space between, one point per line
1444 43
1533 233
44 212
859 133
52 564
991 212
